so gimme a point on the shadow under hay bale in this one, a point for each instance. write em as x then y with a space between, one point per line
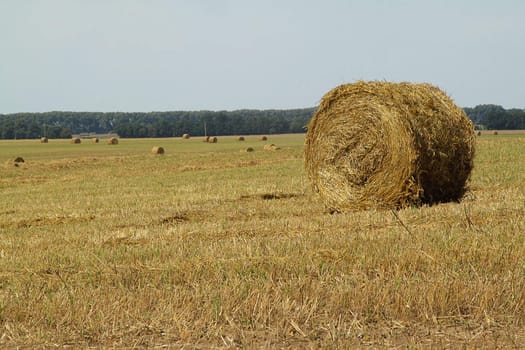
75 140
113 141
212 139
44 140
157 151
388 145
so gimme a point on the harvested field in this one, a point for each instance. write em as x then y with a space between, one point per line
204 247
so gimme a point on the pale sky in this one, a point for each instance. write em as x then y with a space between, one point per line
165 55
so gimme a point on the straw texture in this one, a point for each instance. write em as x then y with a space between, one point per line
388 145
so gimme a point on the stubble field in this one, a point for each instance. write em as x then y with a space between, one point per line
108 246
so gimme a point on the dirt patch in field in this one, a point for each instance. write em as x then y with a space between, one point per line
270 196
46 221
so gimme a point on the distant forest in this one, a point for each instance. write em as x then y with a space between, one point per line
197 123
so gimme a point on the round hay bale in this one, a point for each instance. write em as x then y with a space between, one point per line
75 140
113 141
95 140
212 139
18 160
240 138
495 132
206 139
263 138
186 136
157 150
388 145
248 149
44 140
479 133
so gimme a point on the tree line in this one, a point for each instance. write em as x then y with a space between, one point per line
197 123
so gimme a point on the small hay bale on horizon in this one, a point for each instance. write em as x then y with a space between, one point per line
495 132
247 150
212 139
44 140
388 145
479 133
113 141
95 140
75 140
157 150
263 138
240 138
206 139
186 136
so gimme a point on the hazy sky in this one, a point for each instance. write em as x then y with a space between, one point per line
160 55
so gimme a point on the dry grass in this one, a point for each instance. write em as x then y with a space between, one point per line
388 145
216 249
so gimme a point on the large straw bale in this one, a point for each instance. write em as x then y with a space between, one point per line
388 145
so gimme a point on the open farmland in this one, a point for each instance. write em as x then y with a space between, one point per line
209 247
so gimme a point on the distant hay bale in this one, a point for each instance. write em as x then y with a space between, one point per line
495 132
186 136
157 150
95 140
75 140
212 139
388 145
247 149
44 140
263 138
206 139
479 133
240 138
113 141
